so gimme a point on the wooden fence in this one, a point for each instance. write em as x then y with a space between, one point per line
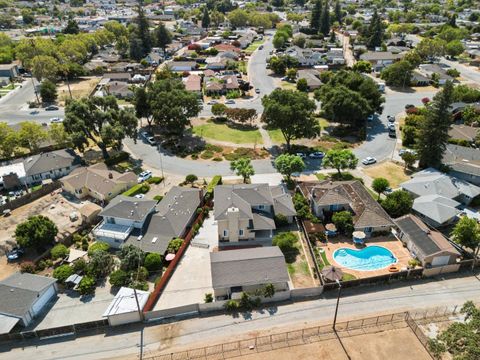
31 196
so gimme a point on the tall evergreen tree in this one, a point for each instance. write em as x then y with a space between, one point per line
162 36
316 15
433 135
375 31
338 12
205 18
143 29
325 19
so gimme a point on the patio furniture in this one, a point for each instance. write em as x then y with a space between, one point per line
359 237
331 273
330 230
170 257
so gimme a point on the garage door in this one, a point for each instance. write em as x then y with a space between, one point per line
45 298
440 260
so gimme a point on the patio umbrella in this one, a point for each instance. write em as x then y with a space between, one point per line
360 235
331 227
170 257
332 273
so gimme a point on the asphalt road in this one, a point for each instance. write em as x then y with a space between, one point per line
355 303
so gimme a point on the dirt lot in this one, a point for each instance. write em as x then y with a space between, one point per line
79 88
56 207
392 172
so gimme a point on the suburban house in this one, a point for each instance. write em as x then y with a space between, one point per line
429 69
380 59
193 83
146 224
120 217
121 76
311 76
98 182
119 89
245 213
23 297
463 132
36 168
124 309
438 196
327 197
220 84
427 245
235 271
182 65
305 57
463 162
9 71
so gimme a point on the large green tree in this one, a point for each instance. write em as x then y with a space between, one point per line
287 164
375 31
292 113
340 160
36 232
379 185
316 15
433 133
205 18
99 120
171 105
242 167
467 233
325 19
48 91
31 135
398 203
398 74
8 140
143 29
162 37
45 67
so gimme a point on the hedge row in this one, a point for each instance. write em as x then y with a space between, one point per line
217 180
137 189
155 180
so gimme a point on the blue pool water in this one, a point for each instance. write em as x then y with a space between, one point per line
369 258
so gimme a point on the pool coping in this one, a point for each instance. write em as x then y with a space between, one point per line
382 268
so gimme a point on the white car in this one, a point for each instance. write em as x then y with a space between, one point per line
139 196
56 120
302 155
144 176
151 140
391 118
316 155
391 126
230 101
369 160
212 102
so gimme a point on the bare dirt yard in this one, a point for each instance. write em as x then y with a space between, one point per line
79 88
56 207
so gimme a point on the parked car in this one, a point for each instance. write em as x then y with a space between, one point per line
392 134
257 91
369 160
51 108
409 106
391 126
388 190
403 151
56 120
139 196
260 47
151 140
391 118
302 155
316 155
34 112
15 254
212 102
144 176
370 118
230 101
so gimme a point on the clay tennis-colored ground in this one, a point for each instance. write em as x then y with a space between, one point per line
398 344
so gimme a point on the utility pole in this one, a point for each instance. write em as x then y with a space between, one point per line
161 163
336 307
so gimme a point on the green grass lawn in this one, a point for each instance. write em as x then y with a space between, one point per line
276 136
253 46
222 132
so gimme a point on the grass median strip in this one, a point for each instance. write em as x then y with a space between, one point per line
223 132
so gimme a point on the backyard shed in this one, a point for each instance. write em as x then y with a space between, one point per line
123 308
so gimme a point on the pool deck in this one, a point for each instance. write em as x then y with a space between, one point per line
391 243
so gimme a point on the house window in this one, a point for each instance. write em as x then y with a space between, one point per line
334 207
225 233
368 229
240 232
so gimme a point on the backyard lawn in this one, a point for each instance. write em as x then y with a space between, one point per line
223 132
297 266
394 173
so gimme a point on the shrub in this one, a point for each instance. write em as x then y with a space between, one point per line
117 158
208 298
214 148
140 285
207 154
59 251
281 220
142 274
42 264
99 245
119 278
343 220
191 178
62 272
174 245
285 240
155 180
79 266
216 180
158 198
231 305
87 285
137 189
218 159
153 262
27 267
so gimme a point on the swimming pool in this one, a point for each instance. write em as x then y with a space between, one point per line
367 259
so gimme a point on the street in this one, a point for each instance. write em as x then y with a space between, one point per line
356 302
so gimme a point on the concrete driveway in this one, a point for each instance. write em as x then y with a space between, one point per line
69 309
192 278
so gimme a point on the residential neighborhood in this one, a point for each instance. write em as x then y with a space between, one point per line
218 179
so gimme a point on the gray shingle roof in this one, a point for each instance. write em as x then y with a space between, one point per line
19 292
126 207
462 159
173 214
53 160
438 208
245 267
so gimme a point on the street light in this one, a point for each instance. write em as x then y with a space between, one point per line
336 307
